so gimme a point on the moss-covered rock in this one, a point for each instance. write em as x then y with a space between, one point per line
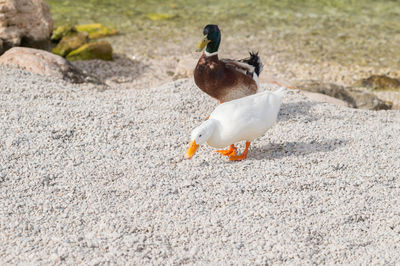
356 98
70 42
93 50
61 32
96 30
379 82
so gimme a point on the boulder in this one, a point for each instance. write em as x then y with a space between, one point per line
355 98
379 82
46 64
366 100
319 97
70 42
25 23
384 87
93 50
389 96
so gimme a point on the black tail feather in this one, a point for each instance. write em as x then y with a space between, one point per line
255 61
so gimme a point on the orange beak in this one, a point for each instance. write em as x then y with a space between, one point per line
192 149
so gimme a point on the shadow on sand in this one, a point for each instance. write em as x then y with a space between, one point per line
278 151
292 111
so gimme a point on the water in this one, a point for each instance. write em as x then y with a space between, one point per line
349 32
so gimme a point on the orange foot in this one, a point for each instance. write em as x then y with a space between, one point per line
230 152
242 156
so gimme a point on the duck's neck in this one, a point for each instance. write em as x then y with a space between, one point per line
210 54
208 58
208 127
212 47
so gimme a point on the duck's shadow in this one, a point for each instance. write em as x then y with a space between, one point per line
290 111
296 148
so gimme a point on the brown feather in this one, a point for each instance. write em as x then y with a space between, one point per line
223 80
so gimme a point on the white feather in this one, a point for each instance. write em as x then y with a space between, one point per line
255 78
243 119
210 54
240 66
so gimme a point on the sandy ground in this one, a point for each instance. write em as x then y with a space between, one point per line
99 177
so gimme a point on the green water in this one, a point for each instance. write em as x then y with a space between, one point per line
361 32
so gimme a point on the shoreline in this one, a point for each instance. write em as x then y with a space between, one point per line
132 69
279 63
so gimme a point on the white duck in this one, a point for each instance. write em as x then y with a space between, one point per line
246 119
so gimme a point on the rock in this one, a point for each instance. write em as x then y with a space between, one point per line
46 64
70 42
329 89
389 96
379 82
25 23
62 31
384 87
93 50
355 98
324 98
96 30
369 101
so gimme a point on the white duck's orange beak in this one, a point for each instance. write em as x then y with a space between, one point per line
192 149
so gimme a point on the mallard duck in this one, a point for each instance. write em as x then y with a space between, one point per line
242 119
225 79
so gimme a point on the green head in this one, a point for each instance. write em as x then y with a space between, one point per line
212 38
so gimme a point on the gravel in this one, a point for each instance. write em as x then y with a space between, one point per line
89 177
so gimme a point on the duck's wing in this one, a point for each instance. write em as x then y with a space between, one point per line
248 66
239 66
234 109
241 119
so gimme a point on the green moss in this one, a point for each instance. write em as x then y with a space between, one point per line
93 50
62 31
96 30
159 16
70 42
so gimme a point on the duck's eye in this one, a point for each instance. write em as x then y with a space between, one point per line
200 136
